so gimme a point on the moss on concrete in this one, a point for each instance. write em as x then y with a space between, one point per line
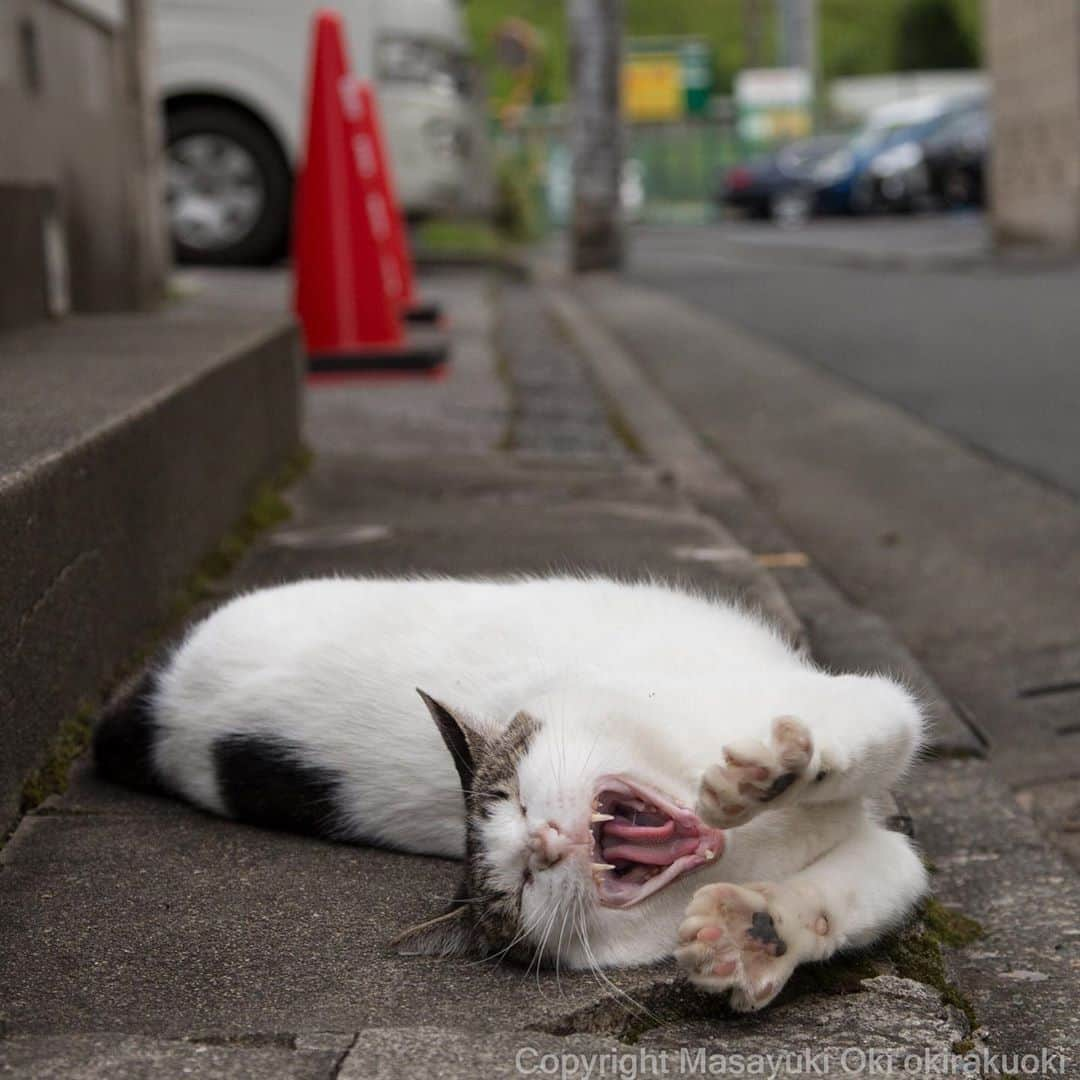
621 428
953 928
266 508
917 951
504 373
459 239
842 975
51 776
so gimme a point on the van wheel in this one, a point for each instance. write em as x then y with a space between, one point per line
228 187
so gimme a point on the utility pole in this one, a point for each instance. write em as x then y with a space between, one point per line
753 27
596 133
798 24
149 243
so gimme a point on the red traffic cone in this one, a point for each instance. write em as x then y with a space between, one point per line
377 174
343 289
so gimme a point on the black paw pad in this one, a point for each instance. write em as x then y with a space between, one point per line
763 929
779 786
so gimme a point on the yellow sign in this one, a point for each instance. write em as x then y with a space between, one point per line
652 87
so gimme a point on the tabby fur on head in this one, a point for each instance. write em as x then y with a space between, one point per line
484 916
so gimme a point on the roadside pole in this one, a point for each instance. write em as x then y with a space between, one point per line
596 133
146 189
798 21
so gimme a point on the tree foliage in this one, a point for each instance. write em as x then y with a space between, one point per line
858 37
929 36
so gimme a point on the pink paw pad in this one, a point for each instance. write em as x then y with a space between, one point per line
754 774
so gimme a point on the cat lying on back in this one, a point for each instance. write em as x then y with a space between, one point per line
645 772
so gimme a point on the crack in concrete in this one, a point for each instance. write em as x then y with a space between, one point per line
339 1063
59 578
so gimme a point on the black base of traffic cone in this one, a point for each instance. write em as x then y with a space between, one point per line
424 312
416 353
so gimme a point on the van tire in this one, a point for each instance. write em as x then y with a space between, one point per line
267 239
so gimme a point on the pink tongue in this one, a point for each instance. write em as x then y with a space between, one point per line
645 834
652 854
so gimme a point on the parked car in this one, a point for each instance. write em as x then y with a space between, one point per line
956 159
233 78
903 178
778 186
882 167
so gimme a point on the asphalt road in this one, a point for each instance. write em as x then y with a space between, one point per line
985 353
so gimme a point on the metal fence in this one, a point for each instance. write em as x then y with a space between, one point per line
672 168
680 162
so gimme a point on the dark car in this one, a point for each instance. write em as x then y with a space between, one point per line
956 158
779 185
882 167
924 160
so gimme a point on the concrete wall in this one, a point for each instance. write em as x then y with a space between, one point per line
27 212
1033 53
69 121
131 444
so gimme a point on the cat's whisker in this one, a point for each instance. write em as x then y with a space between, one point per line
523 932
559 945
605 981
538 955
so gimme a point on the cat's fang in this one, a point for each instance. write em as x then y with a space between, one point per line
650 839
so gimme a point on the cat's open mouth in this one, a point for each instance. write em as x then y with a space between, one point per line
643 841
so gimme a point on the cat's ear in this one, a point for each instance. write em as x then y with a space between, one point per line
463 738
449 934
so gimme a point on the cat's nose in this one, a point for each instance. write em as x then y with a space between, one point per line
548 846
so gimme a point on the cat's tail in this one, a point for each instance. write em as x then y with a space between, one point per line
124 739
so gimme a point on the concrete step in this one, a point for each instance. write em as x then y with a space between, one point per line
128 446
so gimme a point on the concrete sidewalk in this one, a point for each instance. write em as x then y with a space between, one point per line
141 938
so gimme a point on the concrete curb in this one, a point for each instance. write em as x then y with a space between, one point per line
667 440
808 607
135 444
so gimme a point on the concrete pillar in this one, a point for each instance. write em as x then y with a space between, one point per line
596 133
1033 56
146 184
80 149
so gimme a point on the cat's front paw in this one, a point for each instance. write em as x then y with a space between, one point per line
754 774
737 938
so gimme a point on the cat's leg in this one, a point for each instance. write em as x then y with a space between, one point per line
750 938
857 738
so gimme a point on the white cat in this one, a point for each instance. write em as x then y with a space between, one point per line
645 771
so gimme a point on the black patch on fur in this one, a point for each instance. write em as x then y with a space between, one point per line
124 739
264 783
763 929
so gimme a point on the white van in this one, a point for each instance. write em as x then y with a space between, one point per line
233 78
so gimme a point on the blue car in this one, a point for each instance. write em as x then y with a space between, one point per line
858 178
777 186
